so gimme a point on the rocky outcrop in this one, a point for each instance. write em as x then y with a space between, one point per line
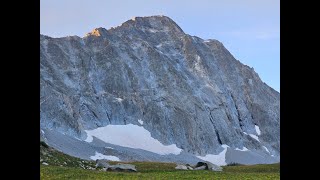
199 166
122 168
187 91
207 166
181 167
103 163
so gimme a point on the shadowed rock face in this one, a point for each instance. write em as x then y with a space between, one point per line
187 91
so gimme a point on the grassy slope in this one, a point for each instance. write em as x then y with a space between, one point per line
164 172
75 168
57 158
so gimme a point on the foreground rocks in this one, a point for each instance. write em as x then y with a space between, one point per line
200 166
103 163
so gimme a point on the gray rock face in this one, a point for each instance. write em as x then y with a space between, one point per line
188 91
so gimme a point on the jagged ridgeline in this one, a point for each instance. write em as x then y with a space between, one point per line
176 96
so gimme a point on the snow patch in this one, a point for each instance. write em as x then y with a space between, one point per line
198 57
254 137
153 30
42 131
132 136
78 139
219 159
89 138
140 121
257 129
266 149
119 99
102 156
109 147
250 82
243 149
245 133
197 66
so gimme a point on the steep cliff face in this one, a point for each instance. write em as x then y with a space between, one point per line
187 91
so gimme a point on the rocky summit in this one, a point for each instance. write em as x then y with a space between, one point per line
147 91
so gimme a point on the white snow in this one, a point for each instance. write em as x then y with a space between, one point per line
254 137
198 57
140 121
109 147
159 45
119 99
257 129
132 136
42 131
243 149
153 30
250 82
89 138
219 159
206 41
197 66
102 156
266 149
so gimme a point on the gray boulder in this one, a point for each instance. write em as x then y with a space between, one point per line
122 167
207 166
103 163
201 168
181 166
189 167
213 167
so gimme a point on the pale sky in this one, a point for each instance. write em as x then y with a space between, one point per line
249 29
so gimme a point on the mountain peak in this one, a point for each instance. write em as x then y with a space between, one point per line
154 17
97 32
154 23
185 92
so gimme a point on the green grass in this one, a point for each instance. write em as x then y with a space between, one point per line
62 166
57 158
153 170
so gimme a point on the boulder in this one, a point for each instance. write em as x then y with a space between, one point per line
200 165
189 167
122 167
181 166
213 167
103 163
201 168
207 166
